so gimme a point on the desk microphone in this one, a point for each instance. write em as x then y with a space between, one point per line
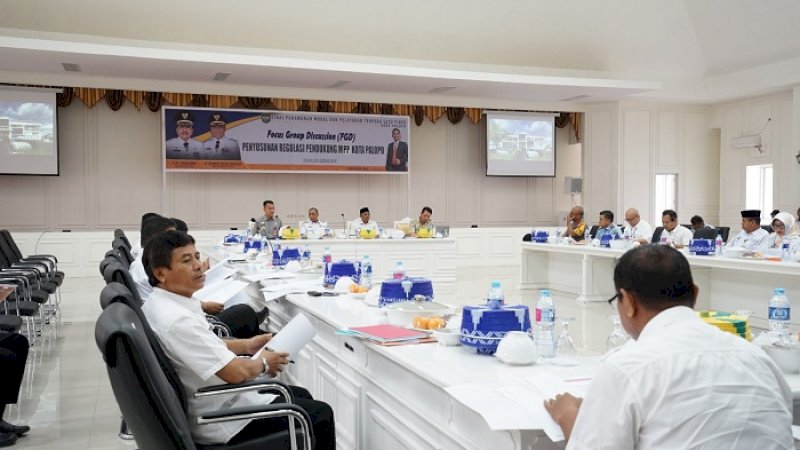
344 226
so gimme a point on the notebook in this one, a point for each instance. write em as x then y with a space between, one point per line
388 333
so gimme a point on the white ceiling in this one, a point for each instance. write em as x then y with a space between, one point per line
515 53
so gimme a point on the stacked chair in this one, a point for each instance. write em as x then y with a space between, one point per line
37 296
147 387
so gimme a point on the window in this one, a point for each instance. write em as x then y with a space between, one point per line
758 189
666 194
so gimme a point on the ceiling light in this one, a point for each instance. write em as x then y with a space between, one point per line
441 89
70 67
221 76
339 83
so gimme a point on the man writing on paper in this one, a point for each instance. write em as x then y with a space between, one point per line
681 383
202 359
638 230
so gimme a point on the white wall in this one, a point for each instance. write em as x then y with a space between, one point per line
781 142
627 144
111 175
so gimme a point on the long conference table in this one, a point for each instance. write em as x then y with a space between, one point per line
396 397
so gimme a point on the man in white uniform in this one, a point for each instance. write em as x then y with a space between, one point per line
220 146
681 383
202 359
638 230
313 225
752 237
184 146
676 234
363 222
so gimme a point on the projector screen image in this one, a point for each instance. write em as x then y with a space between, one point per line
519 144
28 144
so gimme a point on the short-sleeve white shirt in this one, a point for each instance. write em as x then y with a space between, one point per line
679 235
642 230
197 354
756 241
685 384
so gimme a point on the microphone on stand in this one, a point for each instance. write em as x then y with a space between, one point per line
344 226
262 230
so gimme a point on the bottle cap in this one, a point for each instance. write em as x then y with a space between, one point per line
495 284
545 293
779 291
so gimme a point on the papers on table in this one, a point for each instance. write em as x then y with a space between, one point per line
274 291
516 405
273 275
293 337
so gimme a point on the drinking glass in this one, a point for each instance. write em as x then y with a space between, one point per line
618 337
565 347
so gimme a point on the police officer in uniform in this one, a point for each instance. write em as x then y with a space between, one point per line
220 146
184 146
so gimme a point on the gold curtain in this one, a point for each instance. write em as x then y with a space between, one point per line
91 96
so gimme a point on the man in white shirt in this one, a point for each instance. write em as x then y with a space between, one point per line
677 235
638 230
183 145
313 225
363 223
681 383
752 237
201 359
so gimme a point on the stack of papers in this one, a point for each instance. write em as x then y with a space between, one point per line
387 333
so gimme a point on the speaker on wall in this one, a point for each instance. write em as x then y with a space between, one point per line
573 185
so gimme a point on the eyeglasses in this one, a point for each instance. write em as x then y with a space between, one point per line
615 297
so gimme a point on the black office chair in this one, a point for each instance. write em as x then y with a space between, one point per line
705 233
593 231
153 407
767 228
688 226
724 232
124 251
119 234
114 271
16 255
656 235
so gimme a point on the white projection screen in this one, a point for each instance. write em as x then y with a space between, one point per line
28 138
520 144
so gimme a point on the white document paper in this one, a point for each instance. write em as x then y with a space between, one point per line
272 275
221 291
218 273
517 405
293 337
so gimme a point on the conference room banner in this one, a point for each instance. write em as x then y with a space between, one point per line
232 140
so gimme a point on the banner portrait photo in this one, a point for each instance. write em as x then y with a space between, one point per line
234 140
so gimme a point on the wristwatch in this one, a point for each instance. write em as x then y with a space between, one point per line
266 365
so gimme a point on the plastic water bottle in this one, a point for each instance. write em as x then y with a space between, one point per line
786 255
587 234
718 244
366 272
779 312
495 298
399 271
306 262
264 246
545 325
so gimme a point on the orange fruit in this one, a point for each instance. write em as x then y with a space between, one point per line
420 322
434 323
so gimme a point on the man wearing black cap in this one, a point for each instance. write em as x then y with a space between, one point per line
183 146
753 238
220 146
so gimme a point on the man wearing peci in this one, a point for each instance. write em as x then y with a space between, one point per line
220 146
680 384
397 153
184 146
752 237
